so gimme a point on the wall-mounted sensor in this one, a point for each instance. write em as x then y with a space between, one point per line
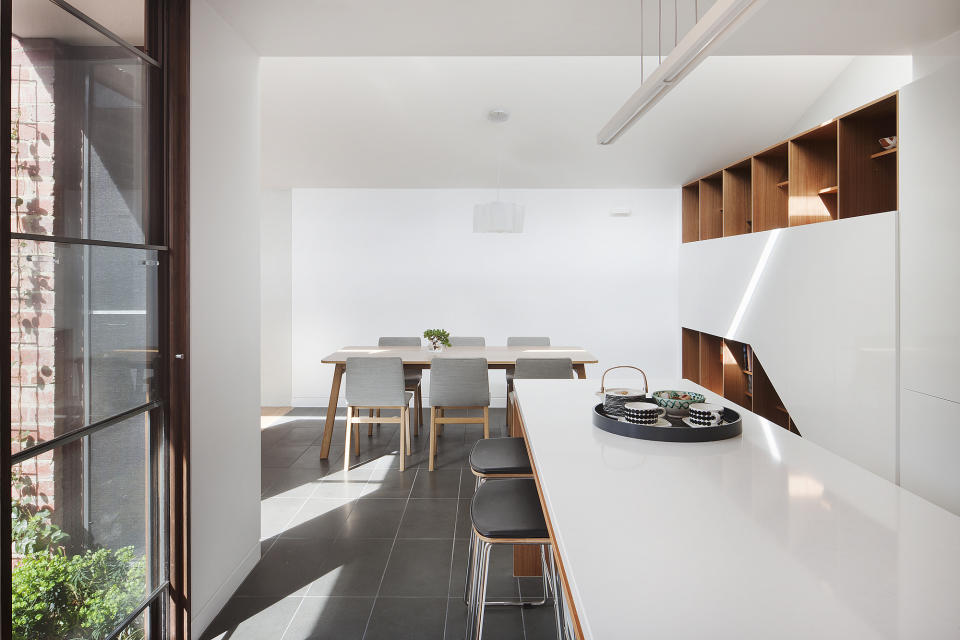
621 212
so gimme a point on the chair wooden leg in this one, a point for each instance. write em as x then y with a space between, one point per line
441 413
377 413
346 442
486 422
433 436
406 435
418 407
404 416
356 439
370 424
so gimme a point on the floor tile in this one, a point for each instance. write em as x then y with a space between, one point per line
319 518
418 568
297 435
407 619
442 483
342 618
429 518
288 482
501 582
281 455
374 518
389 483
352 568
458 570
310 459
276 512
468 483
539 623
252 619
286 569
464 523
499 623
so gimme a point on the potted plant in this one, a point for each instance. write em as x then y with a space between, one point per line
439 338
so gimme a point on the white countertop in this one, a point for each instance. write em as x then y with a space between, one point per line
762 536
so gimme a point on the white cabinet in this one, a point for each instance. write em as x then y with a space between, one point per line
929 443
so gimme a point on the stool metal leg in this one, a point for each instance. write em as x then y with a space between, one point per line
481 594
471 568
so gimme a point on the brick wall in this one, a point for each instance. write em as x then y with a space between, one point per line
32 357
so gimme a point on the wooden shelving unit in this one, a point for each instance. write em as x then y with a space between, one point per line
833 171
731 369
711 206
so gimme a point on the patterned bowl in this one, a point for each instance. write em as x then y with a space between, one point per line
677 403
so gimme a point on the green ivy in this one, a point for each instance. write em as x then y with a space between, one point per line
77 597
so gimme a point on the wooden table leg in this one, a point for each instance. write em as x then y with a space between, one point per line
338 370
581 370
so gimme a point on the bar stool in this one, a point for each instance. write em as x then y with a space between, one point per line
457 383
376 383
504 511
411 377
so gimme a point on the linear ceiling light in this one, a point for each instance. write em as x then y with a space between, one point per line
689 52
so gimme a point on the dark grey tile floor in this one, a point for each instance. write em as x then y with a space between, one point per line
373 553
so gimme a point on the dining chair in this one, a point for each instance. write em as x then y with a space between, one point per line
376 383
523 341
412 378
468 341
457 383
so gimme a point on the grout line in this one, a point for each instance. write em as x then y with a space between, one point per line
386 566
453 548
290 623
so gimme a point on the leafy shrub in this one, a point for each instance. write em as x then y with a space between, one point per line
77 597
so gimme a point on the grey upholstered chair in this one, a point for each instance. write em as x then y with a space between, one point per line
376 383
468 341
524 341
412 378
457 383
536 369
528 341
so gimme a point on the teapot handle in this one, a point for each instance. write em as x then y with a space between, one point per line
646 386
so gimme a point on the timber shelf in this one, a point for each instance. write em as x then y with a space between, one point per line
834 171
731 369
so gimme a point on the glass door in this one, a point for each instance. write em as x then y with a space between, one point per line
88 400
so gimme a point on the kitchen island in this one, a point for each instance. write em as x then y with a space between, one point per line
765 535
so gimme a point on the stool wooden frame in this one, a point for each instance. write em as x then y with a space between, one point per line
354 420
438 419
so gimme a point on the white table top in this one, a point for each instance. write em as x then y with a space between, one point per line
762 536
493 354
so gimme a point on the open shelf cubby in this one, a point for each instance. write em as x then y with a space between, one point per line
711 206
833 171
730 368
737 203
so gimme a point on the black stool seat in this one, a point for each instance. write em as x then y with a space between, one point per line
500 456
508 508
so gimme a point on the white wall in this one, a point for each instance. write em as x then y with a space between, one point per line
865 79
821 317
930 297
395 262
224 321
276 282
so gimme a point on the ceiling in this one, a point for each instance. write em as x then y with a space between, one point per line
43 19
421 122
575 27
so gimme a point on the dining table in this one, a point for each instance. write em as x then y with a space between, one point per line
419 358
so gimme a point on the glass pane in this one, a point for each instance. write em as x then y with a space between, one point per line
84 336
83 553
80 134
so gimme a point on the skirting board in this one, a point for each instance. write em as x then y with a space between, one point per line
206 613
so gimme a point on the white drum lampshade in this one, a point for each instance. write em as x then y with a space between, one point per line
498 217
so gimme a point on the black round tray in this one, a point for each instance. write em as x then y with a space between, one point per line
678 431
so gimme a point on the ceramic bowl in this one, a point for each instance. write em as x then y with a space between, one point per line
888 143
677 403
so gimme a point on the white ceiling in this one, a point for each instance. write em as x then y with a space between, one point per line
576 27
420 122
42 19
